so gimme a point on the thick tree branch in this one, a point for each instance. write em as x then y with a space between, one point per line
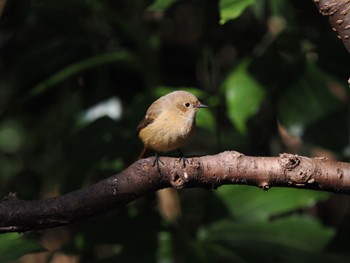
338 13
142 177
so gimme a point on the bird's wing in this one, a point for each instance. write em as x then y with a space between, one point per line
152 113
144 123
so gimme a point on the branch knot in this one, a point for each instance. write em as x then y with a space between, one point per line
288 161
298 170
179 178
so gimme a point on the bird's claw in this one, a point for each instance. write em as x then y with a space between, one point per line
182 158
156 161
184 161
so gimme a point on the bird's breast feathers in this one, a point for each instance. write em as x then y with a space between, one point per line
167 133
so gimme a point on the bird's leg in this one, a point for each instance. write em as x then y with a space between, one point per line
183 158
157 160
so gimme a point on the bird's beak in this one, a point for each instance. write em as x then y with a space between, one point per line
200 105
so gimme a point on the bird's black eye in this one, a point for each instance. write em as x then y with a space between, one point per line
187 104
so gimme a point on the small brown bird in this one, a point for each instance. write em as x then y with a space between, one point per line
169 121
167 126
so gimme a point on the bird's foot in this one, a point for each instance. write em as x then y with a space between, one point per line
156 161
182 158
184 161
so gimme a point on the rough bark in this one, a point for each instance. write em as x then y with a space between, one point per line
143 177
338 14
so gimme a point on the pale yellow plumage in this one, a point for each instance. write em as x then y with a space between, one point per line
169 121
167 126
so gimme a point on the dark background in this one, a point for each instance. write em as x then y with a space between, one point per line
76 77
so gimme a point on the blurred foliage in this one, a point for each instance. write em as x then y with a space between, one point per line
231 9
77 76
12 247
240 86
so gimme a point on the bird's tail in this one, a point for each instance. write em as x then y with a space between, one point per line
144 153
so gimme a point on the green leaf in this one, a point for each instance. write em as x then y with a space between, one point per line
205 119
81 66
243 95
160 5
11 136
13 246
252 204
165 247
231 9
307 101
293 233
